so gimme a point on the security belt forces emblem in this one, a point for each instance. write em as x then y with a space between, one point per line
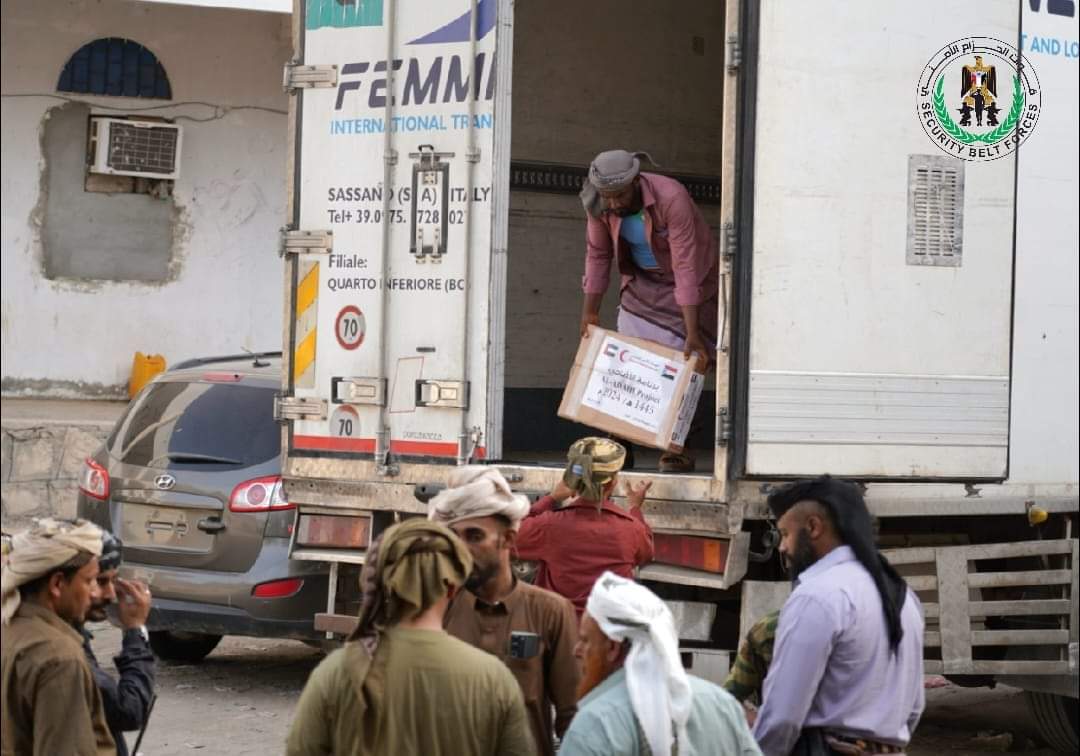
977 99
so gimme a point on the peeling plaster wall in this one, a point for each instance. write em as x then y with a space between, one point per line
117 236
72 337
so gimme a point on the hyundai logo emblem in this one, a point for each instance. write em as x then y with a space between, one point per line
165 482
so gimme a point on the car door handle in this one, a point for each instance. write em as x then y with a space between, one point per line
211 525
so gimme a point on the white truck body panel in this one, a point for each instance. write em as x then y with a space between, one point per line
391 321
861 363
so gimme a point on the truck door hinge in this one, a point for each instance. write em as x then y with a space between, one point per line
725 430
298 408
734 54
295 242
731 241
298 76
433 393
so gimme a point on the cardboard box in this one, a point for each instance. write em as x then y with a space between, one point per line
634 389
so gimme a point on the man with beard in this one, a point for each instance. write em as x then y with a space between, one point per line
577 542
846 672
636 698
401 684
50 704
666 257
533 631
127 701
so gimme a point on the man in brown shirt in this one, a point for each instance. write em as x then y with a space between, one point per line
533 631
50 703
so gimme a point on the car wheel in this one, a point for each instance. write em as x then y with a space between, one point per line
1057 717
182 647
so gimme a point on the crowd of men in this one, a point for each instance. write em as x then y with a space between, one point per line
454 654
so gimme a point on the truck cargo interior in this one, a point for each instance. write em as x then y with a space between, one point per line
640 80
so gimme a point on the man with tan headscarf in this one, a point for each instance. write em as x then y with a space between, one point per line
401 684
50 701
576 543
635 695
530 629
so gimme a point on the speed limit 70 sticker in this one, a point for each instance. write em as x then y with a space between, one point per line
345 422
349 327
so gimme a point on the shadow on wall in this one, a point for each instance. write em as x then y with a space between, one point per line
97 227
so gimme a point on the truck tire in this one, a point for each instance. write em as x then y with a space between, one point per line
1057 718
182 647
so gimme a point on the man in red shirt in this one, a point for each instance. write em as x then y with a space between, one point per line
576 543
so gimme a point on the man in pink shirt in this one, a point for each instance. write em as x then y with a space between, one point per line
665 254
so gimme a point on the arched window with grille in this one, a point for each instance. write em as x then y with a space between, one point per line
116 67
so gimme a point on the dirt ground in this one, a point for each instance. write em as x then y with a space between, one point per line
240 700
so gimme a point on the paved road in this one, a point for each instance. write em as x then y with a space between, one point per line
240 701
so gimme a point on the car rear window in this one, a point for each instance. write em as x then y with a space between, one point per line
181 424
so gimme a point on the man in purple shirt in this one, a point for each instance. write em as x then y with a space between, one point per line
665 254
847 663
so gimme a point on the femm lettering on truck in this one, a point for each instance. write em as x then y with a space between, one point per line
892 187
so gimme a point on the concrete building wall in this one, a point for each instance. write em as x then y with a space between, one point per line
219 290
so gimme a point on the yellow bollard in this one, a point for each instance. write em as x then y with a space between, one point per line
143 368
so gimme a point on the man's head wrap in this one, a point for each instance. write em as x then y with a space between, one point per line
847 508
659 687
477 491
407 570
38 551
592 463
112 552
609 172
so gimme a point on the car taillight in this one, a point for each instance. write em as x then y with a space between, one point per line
278 588
94 480
708 554
259 495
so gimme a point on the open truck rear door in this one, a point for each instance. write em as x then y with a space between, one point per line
877 284
394 255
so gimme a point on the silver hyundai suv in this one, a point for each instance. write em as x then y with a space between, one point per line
189 479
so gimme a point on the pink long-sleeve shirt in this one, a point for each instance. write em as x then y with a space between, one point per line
682 244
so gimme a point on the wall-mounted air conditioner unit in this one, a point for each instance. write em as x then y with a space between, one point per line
121 147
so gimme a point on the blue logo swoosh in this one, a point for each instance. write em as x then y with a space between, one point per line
458 29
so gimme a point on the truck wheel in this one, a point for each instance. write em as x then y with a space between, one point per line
182 647
1058 718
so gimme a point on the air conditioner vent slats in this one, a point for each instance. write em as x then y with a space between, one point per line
148 149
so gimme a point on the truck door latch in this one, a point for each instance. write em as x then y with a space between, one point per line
430 214
432 393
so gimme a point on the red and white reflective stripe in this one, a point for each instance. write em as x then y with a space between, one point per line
367 445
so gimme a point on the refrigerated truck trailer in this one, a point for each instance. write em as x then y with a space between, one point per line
893 188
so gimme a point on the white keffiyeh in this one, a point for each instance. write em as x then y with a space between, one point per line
659 687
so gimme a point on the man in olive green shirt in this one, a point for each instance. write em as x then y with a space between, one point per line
401 685
50 703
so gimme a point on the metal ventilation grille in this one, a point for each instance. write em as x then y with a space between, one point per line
935 210
141 149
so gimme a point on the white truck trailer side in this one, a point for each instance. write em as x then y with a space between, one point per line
899 298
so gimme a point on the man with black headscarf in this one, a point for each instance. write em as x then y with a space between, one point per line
127 700
846 674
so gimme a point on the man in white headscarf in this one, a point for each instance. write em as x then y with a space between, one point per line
533 631
48 582
636 696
